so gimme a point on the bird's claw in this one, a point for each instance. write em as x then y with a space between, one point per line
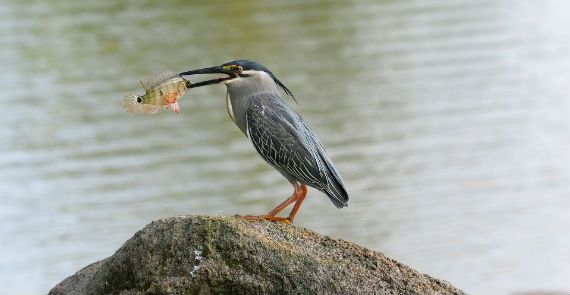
268 217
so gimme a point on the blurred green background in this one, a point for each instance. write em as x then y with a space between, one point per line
448 121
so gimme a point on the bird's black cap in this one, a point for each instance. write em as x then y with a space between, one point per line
251 65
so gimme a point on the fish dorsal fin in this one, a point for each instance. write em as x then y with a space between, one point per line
156 79
144 86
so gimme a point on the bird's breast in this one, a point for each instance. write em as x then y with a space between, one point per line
240 122
237 109
230 107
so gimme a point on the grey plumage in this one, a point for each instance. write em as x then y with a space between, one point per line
277 132
286 142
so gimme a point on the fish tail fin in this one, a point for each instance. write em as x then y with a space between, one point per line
135 104
131 102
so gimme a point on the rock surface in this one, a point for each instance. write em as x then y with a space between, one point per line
228 255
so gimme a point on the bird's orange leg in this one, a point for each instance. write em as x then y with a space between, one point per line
298 203
300 191
285 203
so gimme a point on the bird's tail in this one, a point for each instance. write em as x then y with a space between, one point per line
336 192
334 187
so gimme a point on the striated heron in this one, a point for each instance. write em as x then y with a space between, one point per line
278 133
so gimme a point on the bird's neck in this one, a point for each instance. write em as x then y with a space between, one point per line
242 93
237 109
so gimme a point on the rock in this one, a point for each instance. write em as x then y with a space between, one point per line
228 255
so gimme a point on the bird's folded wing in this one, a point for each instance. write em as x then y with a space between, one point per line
272 127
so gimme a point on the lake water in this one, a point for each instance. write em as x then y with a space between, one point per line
448 120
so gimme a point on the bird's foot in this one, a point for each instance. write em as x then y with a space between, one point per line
268 217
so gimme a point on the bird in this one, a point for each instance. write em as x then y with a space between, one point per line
278 133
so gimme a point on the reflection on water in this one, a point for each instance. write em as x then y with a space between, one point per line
448 122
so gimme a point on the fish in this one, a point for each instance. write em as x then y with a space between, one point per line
162 92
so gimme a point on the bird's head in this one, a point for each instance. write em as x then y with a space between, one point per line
239 73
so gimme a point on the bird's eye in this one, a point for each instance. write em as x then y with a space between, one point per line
237 69
161 93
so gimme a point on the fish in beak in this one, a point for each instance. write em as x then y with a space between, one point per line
162 91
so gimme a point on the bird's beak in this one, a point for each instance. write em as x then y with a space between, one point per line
212 70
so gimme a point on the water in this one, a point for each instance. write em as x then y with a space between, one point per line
448 121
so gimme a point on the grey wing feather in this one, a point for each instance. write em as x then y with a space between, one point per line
286 142
334 186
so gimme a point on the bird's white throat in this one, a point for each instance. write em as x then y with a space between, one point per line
230 108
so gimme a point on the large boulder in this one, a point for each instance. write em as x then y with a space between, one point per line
228 255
